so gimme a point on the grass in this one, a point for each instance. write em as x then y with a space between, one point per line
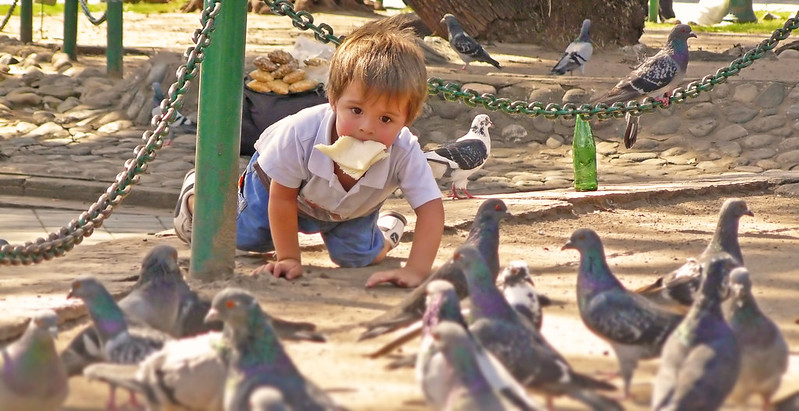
97 9
761 27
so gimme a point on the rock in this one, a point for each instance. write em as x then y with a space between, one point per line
720 92
771 96
546 95
757 140
665 126
701 110
543 125
68 104
681 159
42 116
554 141
480 88
607 148
794 94
788 144
766 123
759 153
638 157
575 96
739 113
791 190
448 110
788 159
646 144
49 129
789 54
24 99
729 148
61 61
514 133
703 127
745 92
731 132
792 113
768 164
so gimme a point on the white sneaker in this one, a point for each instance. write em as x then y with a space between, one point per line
392 224
183 218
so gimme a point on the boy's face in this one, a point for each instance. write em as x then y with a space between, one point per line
363 117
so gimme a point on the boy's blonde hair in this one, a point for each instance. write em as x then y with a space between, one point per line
385 59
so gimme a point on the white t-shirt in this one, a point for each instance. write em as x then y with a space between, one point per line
287 155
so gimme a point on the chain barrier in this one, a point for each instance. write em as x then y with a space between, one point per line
94 20
303 20
8 15
58 243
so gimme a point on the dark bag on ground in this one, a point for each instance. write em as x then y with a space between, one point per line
261 110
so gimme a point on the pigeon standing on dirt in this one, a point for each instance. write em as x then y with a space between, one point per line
465 45
635 327
577 52
516 285
32 377
181 122
764 352
457 160
258 359
654 77
680 286
517 344
484 235
701 358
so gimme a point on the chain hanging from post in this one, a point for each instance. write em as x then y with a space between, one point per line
8 15
94 20
303 20
58 243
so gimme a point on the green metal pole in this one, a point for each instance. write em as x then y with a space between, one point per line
213 241
653 11
113 52
70 28
26 21
741 11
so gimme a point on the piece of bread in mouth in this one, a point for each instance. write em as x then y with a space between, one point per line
354 156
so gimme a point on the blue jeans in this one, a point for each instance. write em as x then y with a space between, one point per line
351 243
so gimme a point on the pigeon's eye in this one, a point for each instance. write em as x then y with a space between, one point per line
498 207
76 285
230 303
457 256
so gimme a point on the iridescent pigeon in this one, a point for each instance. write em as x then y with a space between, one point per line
258 359
577 52
680 286
654 77
635 327
32 377
455 161
518 345
701 358
484 234
764 352
465 45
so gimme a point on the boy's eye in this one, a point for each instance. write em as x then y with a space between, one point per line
356 110
385 119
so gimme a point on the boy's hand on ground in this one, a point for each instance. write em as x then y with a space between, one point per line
289 268
401 277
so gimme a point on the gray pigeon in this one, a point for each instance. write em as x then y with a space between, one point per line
32 378
435 373
181 122
518 288
484 234
654 77
471 387
465 45
577 52
267 399
701 358
258 359
635 327
680 286
457 160
517 344
764 352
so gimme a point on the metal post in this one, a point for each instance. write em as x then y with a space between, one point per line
653 11
213 241
741 12
70 28
26 21
114 52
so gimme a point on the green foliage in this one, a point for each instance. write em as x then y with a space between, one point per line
760 27
139 8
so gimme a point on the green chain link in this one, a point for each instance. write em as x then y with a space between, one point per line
57 244
303 21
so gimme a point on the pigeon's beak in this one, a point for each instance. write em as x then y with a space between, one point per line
749 213
70 295
568 246
692 34
213 315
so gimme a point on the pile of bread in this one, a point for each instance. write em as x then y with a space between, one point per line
279 72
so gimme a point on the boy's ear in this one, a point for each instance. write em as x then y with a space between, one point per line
332 104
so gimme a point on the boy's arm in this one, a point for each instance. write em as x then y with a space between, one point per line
283 225
429 215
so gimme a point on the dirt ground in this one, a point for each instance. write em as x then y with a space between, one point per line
642 240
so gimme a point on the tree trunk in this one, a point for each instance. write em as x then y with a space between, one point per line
552 23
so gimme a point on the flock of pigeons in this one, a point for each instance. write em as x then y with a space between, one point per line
177 350
654 77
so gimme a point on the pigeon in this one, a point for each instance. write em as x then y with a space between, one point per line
764 352
183 123
654 77
435 372
517 344
635 327
516 285
119 343
577 52
188 373
258 359
701 359
471 387
457 160
465 45
267 399
680 286
484 234
32 377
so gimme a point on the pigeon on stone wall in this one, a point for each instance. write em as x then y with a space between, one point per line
181 123
654 77
465 45
577 52
32 377
455 161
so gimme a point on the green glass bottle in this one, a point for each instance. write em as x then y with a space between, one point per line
584 156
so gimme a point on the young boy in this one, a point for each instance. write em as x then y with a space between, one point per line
376 87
